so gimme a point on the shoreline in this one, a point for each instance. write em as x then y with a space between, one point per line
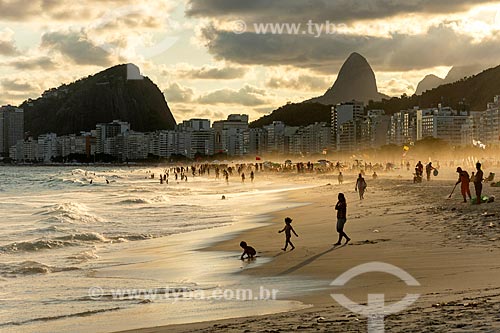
367 245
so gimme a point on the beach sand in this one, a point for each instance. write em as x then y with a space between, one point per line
449 247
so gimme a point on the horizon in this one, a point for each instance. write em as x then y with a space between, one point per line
211 61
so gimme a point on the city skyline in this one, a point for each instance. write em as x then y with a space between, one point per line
207 68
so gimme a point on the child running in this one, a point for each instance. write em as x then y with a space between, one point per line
288 229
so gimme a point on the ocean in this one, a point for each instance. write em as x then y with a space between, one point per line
81 257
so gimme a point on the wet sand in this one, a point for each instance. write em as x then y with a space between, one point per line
449 247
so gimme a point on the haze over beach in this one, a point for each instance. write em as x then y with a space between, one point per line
249 166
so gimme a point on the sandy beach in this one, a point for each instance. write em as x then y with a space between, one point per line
449 247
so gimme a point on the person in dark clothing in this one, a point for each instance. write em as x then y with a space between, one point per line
248 250
428 170
478 182
288 229
341 208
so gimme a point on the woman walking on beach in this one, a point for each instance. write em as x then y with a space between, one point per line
341 208
361 187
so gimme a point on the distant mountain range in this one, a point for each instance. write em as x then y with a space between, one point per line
99 98
465 91
456 73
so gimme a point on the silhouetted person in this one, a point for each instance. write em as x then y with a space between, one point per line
478 182
361 187
288 229
248 250
419 169
428 170
341 208
463 177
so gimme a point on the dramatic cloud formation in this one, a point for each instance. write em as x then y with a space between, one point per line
247 96
76 45
206 69
338 10
176 93
439 46
212 72
301 83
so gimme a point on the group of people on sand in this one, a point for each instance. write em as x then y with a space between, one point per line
465 180
340 207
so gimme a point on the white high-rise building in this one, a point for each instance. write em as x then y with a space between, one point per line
229 135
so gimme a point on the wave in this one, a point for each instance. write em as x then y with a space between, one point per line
157 199
78 314
85 237
77 239
69 212
33 246
31 268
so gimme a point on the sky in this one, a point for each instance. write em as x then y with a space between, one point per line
212 58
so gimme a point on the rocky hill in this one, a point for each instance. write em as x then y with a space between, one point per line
356 80
99 98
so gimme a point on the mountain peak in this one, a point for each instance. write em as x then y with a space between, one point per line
356 80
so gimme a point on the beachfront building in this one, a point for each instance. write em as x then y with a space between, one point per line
11 128
47 146
375 128
83 144
470 131
489 124
406 127
135 145
409 126
229 135
25 151
347 124
105 134
194 138
255 139
312 139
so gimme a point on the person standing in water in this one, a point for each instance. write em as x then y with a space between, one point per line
463 177
361 187
341 178
478 182
341 208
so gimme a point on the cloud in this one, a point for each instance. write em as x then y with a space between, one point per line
322 10
212 72
69 10
301 83
17 85
26 63
439 46
7 44
76 46
246 96
176 93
